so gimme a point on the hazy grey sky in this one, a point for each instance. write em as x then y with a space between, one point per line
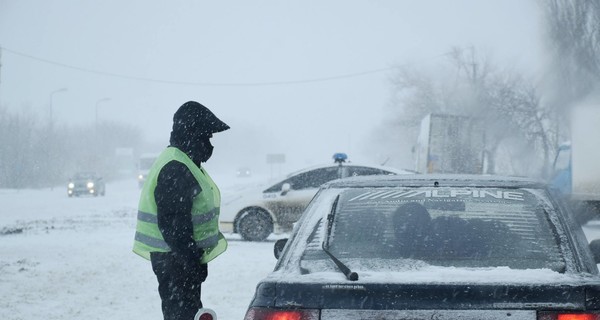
239 45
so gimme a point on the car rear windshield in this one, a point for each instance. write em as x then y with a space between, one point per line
457 227
84 175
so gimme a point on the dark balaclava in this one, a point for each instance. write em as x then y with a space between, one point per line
193 126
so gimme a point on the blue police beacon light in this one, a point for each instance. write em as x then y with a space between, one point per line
340 157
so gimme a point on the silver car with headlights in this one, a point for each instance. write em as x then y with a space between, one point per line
86 183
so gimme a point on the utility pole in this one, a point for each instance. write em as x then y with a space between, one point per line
474 64
96 119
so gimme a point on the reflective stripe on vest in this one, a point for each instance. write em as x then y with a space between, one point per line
205 211
161 244
196 219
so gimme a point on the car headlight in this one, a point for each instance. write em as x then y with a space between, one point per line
71 185
90 185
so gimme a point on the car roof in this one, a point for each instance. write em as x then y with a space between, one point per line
350 164
443 180
85 173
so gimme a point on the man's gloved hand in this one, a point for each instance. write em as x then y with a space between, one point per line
191 262
203 271
197 270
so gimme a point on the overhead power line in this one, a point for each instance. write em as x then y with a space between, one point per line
206 84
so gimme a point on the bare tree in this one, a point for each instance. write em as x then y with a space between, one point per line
516 103
35 154
573 40
16 133
468 84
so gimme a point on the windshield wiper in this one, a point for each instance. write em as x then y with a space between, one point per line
350 275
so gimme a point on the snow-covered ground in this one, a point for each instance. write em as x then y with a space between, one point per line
70 258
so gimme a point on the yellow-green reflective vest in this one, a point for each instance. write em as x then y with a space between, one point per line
205 211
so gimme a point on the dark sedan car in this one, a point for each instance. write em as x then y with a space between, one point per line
432 247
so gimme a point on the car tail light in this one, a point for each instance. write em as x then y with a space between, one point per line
281 314
569 316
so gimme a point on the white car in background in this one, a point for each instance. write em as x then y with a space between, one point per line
256 214
145 162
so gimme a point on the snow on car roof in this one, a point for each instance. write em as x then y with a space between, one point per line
441 179
347 164
439 274
86 174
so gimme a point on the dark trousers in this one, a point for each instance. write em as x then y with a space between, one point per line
179 283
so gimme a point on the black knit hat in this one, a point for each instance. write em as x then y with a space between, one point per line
195 118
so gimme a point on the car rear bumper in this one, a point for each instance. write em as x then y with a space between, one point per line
429 314
226 227
79 191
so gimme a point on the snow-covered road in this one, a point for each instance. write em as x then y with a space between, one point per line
70 258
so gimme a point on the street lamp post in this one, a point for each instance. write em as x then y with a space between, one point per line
97 103
54 168
51 98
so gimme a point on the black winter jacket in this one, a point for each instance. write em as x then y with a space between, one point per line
175 191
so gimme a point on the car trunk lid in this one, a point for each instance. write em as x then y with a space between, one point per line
424 299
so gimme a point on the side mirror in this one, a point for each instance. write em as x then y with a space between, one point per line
595 248
285 188
278 247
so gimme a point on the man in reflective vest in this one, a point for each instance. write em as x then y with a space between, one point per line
178 213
